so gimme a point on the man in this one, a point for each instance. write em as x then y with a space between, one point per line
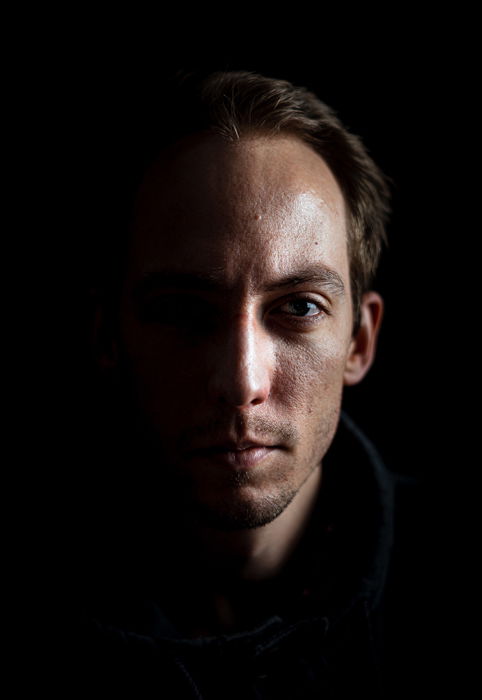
243 529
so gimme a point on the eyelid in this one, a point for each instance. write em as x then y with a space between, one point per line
304 296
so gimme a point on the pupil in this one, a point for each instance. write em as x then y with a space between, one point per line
301 307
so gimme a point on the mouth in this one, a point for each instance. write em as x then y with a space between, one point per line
242 455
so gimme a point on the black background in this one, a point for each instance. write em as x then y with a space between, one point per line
405 87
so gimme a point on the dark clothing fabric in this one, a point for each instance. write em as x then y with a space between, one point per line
324 633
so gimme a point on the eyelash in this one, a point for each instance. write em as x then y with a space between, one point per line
322 311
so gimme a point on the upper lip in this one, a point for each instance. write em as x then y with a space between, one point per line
231 446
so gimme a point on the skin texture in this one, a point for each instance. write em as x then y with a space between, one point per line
246 357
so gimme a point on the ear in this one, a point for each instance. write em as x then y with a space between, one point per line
363 344
102 339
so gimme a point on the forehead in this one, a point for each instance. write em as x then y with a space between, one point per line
249 209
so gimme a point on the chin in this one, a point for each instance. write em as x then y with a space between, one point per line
239 513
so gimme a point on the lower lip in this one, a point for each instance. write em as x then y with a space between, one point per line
242 459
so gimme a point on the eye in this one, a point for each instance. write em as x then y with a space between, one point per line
300 309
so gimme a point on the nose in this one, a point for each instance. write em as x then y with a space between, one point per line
242 364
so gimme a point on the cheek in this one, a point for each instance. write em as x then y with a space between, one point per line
309 376
308 392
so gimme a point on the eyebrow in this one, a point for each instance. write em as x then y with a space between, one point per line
214 281
315 274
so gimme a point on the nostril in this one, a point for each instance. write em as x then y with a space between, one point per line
253 402
259 400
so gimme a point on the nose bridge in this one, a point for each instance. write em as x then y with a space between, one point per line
242 375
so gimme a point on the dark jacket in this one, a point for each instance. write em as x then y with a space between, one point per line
325 635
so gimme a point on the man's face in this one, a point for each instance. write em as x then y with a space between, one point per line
236 322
